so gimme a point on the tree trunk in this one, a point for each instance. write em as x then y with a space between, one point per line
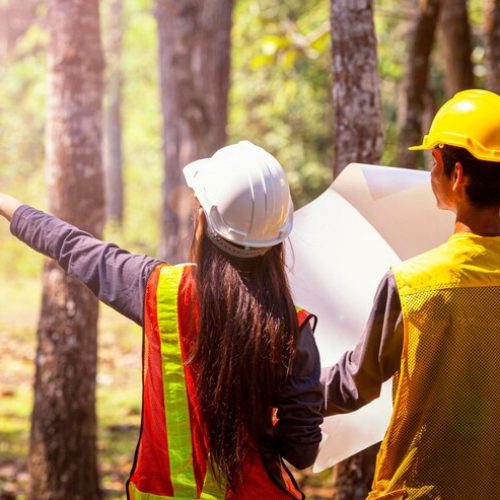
356 95
63 461
412 103
358 138
353 477
492 43
113 119
457 45
194 48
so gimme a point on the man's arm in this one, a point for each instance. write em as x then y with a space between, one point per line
357 377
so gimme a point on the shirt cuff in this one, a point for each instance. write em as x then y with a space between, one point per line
18 217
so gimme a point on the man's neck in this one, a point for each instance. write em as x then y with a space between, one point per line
484 222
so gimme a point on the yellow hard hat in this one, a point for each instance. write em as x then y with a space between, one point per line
469 120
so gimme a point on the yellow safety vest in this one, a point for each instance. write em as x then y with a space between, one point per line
443 441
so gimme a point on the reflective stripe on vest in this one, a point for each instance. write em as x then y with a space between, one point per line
174 388
172 454
444 435
163 341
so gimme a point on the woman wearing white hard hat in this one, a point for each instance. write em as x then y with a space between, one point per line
231 378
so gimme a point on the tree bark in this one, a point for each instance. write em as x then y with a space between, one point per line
358 138
415 85
194 49
356 87
457 45
113 118
63 461
492 44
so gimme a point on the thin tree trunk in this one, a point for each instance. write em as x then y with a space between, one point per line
358 138
113 117
412 103
194 48
63 461
356 87
457 46
492 44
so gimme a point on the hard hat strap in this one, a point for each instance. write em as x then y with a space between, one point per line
232 249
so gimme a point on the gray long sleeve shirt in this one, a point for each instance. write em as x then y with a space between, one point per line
119 279
115 276
357 378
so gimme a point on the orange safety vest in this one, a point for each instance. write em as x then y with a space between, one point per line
171 459
443 441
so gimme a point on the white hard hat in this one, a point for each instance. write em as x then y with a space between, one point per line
245 195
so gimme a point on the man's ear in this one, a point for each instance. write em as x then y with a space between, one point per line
458 176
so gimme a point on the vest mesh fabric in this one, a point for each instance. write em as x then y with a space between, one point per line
444 438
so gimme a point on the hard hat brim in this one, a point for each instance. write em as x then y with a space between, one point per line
426 144
457 140
191 170
193 173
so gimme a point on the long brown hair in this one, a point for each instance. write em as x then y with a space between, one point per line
245 346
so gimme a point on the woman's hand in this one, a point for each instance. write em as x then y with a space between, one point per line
8 206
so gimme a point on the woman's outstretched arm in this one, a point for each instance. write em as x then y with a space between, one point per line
8 205
114 275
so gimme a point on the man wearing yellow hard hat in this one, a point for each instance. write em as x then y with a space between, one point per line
435 324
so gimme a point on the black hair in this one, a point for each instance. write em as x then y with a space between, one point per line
483 186
245 346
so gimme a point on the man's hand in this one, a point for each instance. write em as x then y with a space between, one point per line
8 206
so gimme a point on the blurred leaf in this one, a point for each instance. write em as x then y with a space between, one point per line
272 43
288 58
261 60
321 43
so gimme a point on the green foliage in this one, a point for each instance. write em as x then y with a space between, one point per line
280 95
22 108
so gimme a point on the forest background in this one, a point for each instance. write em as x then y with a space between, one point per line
280 97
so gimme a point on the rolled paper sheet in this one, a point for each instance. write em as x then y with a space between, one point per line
341 246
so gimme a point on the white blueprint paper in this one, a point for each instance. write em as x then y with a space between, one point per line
342 244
